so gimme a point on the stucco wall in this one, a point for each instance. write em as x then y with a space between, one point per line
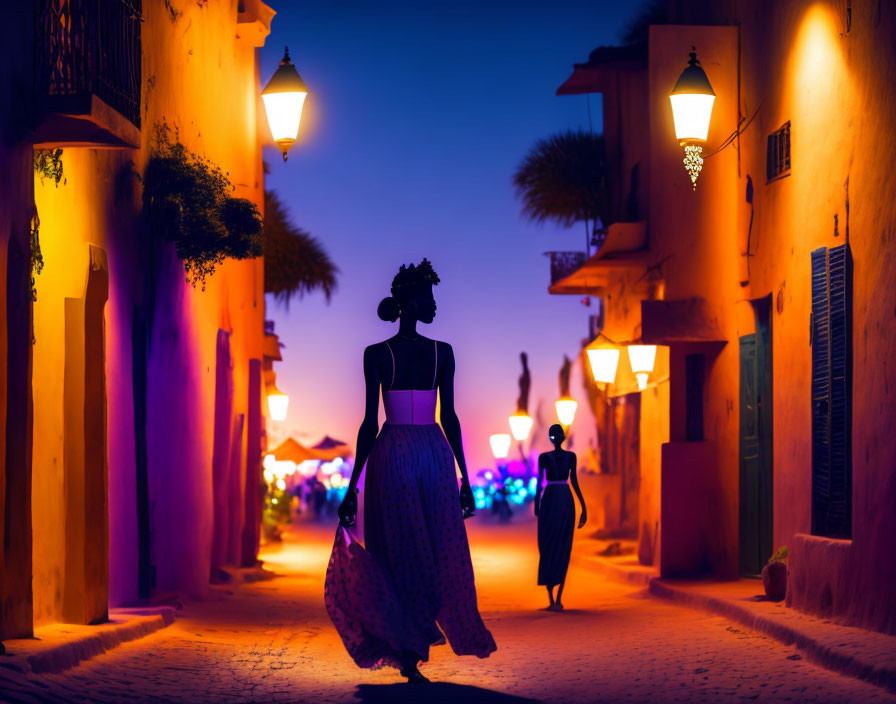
199 78
692 233
834 78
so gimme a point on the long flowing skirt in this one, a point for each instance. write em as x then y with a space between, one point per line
556 519
415 574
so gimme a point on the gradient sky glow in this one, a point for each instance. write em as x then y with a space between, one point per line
417 115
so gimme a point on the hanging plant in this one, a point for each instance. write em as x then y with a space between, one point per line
187 201
37 259
48 165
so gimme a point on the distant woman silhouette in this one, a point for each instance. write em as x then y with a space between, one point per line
556 514
388 601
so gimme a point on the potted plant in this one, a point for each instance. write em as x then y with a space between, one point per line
774 575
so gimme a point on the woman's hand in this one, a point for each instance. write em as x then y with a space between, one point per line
348 509
584 517
467 502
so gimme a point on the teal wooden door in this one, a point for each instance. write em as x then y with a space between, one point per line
755 452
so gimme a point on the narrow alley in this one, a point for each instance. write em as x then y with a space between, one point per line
271 641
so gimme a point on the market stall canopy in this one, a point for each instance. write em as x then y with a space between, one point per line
331 448
679 322
294 451
622 250
598 74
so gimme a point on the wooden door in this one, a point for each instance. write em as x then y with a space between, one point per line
755 451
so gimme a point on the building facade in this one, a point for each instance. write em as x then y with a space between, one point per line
766 288
133 407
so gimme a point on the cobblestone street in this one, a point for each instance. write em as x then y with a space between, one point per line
271 641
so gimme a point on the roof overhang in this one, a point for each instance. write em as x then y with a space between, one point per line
598 75
623 250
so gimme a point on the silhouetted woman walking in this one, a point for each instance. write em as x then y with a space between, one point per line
556 514
388 601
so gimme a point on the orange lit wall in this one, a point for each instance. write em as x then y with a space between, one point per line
833 78
201 79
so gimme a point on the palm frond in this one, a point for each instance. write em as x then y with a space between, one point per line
563 178
295 263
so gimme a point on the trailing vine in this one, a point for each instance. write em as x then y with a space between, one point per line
187 201
48 165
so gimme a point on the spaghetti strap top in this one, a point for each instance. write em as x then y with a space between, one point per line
411 406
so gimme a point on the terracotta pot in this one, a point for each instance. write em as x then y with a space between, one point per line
774 579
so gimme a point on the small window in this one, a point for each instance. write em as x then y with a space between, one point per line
694 373
777 162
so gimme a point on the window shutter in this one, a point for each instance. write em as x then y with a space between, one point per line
831 392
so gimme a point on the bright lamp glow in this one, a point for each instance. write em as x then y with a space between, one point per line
642 357
642 380
566 410
284 97
604 361
278 403
500 443
692 99
691 113
520 425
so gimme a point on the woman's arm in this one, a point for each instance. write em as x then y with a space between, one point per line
366 435
451 426
448 416
538 488
575 487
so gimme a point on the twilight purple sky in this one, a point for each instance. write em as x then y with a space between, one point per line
417 115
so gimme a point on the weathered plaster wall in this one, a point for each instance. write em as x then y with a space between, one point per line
834 78
202 80
692 233
198 78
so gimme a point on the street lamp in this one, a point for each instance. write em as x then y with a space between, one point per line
500 443
642 359
520 425
284 97
278 402
692 99
603 361
566 410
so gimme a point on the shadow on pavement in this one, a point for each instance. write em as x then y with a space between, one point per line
434 693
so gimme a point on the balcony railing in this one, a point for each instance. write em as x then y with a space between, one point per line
89 48
564 263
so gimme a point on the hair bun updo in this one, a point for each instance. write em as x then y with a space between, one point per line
388 309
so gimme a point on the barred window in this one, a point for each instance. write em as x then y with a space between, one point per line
777 161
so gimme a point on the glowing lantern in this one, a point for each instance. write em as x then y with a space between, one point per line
692 100
520 425
604 361
642 358
566 410
284 97
278 403
500 443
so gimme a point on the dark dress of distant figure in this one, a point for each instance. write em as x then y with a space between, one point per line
556 513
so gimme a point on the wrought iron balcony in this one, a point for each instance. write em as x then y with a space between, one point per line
88 60
564 263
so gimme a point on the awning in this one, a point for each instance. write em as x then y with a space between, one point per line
598 75
330 448
294 451
623 250
679 322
